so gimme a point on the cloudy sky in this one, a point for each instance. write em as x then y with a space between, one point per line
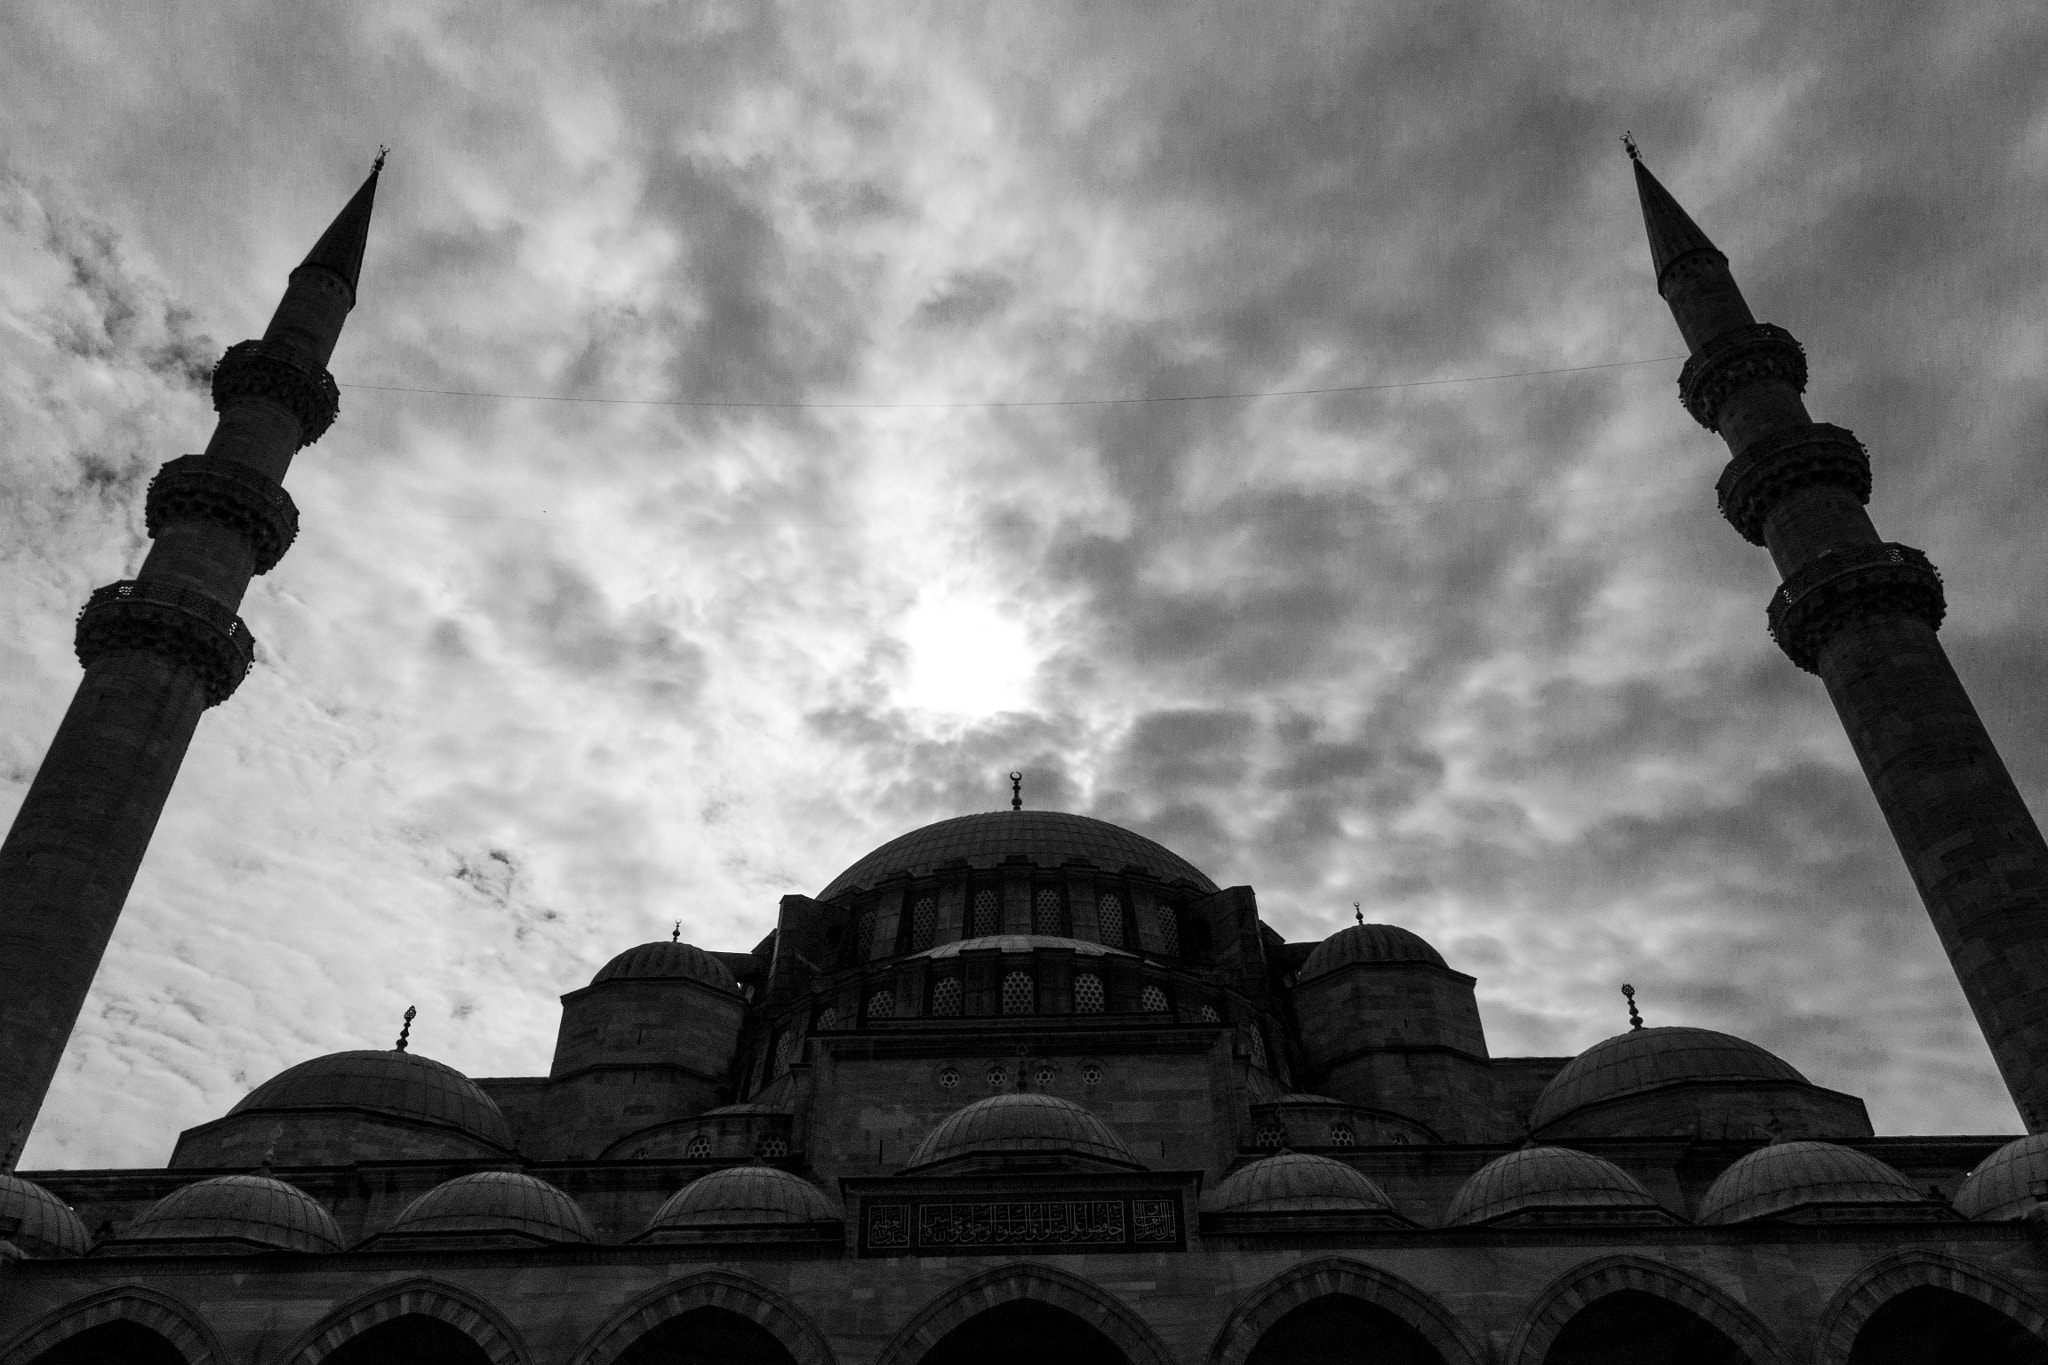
836 429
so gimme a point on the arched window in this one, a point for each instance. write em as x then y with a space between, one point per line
1020 995
1047 915
1153 1000
1270 1136
698 1149
988 913
946 997
1169 930
1342 1136
882 1004
828 1019
785 1052
1109 919
924 923
864 934
1258 1043
772 1145
1088 995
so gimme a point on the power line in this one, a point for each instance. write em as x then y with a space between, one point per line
1019 402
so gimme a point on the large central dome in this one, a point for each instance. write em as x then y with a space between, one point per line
1046 838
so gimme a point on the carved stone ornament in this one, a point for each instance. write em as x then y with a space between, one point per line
1848 585
188 628
1738 357
217 489
261 369
1785 462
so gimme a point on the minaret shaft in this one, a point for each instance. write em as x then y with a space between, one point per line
1862 614
158 650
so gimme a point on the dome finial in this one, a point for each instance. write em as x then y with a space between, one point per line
1016 791
676 934
411 1013
1635 1020
1357 913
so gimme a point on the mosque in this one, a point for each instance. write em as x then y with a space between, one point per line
1024 1085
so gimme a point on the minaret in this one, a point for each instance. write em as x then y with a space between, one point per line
158 650
1862 613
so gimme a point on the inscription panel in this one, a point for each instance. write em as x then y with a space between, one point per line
957 1227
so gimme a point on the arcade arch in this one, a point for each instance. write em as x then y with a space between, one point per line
1636 1309
1302 1310
124 1325
718 1309
1924 1306
413 1320
1055 1296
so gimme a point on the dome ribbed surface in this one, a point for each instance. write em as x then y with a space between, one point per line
48 1226
667 961
1546 1178
745 1195
500 1202
1789 1175
1048 838
1296 1182
1368 943
1026 1123
401 1084
239 1208
2002 1185
1645 1059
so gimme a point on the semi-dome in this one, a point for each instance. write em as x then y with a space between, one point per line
1546 1179
1789 1177
507 1204
744 1196
401 1085
1649 1058
1298 1182
1045 838
239 1213
45 1224
668 961
1029 1124
2002 1186
1368 943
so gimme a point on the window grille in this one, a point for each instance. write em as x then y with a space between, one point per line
1088 996
1091 1074
1270 1136
1045 912
772 1145
1109 912
699 1148
882 1004
1258 1046
1210 1016
1153 1001
1169 930
949 1078
1342 1136
785 1052
828 1019
924 923
946 998
1019 993
988 913
864 934
997 1077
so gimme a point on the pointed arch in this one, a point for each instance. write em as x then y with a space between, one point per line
170 1318
748 1298
1318 1279
466 1313
1886 1278
1582 1285
1040 1283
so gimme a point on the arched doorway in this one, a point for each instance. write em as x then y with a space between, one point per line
1630 1327
113 1343
1024 1332
1338 1328
413 1339
1928 1325
707 1336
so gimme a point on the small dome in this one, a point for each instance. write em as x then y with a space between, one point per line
1545 1178
1368 943
1296 1182
1045 838
1793 1175
504 1202
253 1211
2002 1185
1647 1058
1027 1124
745 1196
48 1227
401 1084
666 961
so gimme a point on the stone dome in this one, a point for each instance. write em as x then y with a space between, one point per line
1368 943
1788 1176
249 1212
666 961
1020 943
1028 1124
48 1227
1649 1058
497 1202
2002 1185
399 1084
1297 1182
1045 838
1545 1178
745 1196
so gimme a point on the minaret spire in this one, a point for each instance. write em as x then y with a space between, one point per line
1862 614
158 650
